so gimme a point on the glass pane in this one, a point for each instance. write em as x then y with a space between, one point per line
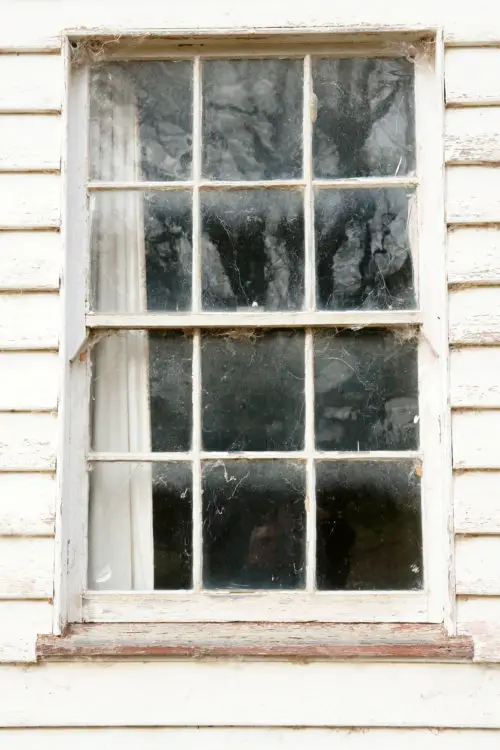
369 533
365 119
253 250
366 390
363 251
141 251
252 119
141 392
254 524
141 121
121 550
253 391
172 525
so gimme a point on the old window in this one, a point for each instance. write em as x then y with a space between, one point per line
265 350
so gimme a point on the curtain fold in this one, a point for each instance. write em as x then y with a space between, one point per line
121 522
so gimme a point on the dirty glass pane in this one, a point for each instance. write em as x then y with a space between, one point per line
365 117
172 525
253 250
366 390
252 119
363 251
254 524
253 390
119 551
140 251
141 392
369 533
141 121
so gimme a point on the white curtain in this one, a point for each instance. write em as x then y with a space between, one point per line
121 507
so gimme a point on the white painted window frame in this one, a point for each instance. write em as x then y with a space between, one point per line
434 602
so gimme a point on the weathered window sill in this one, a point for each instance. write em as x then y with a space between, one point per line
291 641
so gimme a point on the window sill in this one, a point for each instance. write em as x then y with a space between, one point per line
297 641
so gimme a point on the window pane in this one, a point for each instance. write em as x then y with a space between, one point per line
253 250
141 121
141 392
366 390
253 391
363 250
140 512
365 121
368 525
141 251
252 119
254 524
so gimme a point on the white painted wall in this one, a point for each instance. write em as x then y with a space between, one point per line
95 703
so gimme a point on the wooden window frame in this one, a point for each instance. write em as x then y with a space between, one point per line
434 603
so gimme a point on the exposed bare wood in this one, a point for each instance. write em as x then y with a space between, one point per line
473 135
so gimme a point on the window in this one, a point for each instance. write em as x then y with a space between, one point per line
265 349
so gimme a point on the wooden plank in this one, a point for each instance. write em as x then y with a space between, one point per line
472 135
29 321
30 83
20 623
472 194
31 26
30 143
473 76
27 442
29 201
260 693
29 381
477 502
479 616
26 567
476 565
27 504
474 315
474 255
475 439
247 738
278 640
30 261
474 379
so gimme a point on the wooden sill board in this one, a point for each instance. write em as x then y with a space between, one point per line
299 641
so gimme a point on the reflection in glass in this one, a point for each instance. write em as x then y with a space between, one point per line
254 524
172 525
141 392
363 251
366 391
253 250
140 251
253 391
369 533
365 117
252 119
152 103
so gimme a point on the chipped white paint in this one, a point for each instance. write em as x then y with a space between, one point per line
474 255
477 502
30 261
20 623
29 321
30 83
472 135
26 567
473 76
475 377
27 442
475 439
477 565
474 316
29 201
27 504
29 381
30 142
472 194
